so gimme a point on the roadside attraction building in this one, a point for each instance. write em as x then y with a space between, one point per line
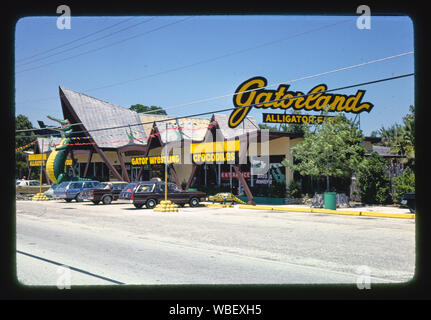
202 153
210 154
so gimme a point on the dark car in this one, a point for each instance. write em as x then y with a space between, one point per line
151 193
127 191
409 199
105 192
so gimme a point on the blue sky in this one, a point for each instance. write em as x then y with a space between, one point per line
170 61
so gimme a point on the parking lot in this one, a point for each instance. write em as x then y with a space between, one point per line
208 245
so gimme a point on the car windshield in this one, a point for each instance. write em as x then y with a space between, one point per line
145 188
63 184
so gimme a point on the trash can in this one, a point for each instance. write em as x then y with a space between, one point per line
330 200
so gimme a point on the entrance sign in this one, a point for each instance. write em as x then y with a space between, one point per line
293 118
228 175
248 95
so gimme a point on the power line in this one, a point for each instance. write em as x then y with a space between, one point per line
88 42
106 46
73 41
217 57
203 61
234 108
289 81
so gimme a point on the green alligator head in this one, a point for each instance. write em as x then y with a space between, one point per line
66 126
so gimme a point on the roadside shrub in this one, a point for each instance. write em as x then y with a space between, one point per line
372 180
276 190
403 184
294 189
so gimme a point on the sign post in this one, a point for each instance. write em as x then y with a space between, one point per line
40 196
166 205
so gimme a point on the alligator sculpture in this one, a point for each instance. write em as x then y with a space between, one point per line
57 158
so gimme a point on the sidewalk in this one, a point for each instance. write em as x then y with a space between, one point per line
373 211
371 208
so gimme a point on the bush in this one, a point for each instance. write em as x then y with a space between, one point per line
372 180
277 190
294 189
403 184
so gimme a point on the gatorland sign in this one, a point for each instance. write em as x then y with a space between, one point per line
252 94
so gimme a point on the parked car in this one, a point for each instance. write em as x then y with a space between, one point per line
105 192
127 191
50 192
26 183
409 199
71 190
152 192
60 190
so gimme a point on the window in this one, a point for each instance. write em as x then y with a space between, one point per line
172 187
75 185
145 188
90 184
118 186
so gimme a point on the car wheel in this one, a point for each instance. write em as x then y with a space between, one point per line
68 200
78 198
138 205
95 201
194 202
107 200
151 203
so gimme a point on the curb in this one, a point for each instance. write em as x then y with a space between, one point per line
342 212
220 205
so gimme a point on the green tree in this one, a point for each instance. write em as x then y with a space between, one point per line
268 127
139 108
372 180
403 184
401 138
21 139
333 150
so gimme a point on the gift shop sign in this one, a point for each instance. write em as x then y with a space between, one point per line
251 93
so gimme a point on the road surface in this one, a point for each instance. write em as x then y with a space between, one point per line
61 243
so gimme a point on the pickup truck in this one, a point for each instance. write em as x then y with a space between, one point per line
105 192
150 193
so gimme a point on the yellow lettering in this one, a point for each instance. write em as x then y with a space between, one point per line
249 94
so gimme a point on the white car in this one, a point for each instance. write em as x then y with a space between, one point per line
25 183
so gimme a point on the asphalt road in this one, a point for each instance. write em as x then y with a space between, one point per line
61 243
